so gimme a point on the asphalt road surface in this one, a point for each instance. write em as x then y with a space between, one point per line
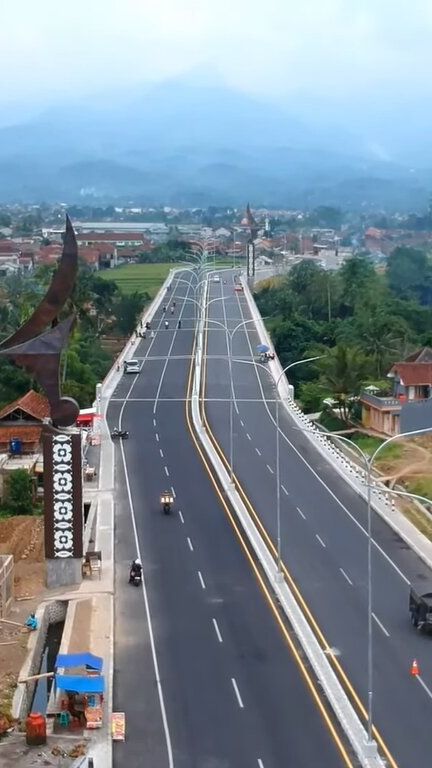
323 533
202 668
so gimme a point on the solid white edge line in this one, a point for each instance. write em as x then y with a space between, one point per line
320 540
201 580
269 468
147 608
181 516
166 471
381 626
217 630
423 684
316 475
258 451
301 513
190 544
237 693
345 575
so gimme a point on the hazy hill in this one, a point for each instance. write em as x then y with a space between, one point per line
187 144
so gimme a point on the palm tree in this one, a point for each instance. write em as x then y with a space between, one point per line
343 371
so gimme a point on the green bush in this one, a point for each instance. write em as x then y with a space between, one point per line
19 493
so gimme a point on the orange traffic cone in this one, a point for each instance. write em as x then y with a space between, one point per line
415 668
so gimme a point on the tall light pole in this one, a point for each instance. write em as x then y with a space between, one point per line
368 463
278 511
230 336
287 368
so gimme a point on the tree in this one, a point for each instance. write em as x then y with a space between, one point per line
409 274
19 493
311 396
356 276
127 310
343 371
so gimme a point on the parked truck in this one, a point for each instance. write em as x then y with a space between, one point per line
420 608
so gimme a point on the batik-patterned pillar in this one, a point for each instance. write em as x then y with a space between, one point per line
63 507
251 259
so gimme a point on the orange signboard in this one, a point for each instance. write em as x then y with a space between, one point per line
118 726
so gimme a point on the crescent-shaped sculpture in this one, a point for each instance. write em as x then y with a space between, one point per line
39 352
62 285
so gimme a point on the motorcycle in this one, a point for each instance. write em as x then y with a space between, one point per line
119 433
135 578
166 500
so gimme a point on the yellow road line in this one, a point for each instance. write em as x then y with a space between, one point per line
241 538
361 709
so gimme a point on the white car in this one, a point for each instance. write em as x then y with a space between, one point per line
131 366
216 279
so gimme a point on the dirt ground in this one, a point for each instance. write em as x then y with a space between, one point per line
23 538
415 462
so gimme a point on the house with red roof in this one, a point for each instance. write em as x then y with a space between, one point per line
409 406
22 420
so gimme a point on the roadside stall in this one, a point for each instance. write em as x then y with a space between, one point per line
79 696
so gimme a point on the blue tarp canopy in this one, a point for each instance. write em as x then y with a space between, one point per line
69 660
79 684
263 348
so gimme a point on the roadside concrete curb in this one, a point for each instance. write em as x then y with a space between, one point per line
367 753
349 470
101 749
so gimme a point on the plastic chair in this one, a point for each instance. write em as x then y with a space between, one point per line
64 719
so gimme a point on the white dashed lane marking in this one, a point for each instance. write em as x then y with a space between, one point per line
217 630
301 513
320 540
258 451
161 452
248 436
242 423
173 491
284 490
345 575
190 544
381 626
237 693
154 422
202 582
166 471
270 469
157 437
181 516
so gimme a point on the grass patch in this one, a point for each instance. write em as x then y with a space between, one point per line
370 444
421 485
418 518
138 277
329 421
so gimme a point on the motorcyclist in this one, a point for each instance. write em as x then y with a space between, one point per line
166 324
135 569
179 324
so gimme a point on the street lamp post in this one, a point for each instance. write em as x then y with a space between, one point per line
368 463
278 510
230 336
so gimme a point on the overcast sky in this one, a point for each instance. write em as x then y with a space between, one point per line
277 47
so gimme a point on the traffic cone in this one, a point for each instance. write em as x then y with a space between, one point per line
415 668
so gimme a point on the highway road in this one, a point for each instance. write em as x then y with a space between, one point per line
203 669
324 542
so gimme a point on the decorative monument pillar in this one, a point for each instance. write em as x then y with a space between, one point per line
250 223
39 352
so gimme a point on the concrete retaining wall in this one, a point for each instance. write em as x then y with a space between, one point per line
6 583
47 613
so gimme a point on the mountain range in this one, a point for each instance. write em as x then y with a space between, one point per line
185 143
